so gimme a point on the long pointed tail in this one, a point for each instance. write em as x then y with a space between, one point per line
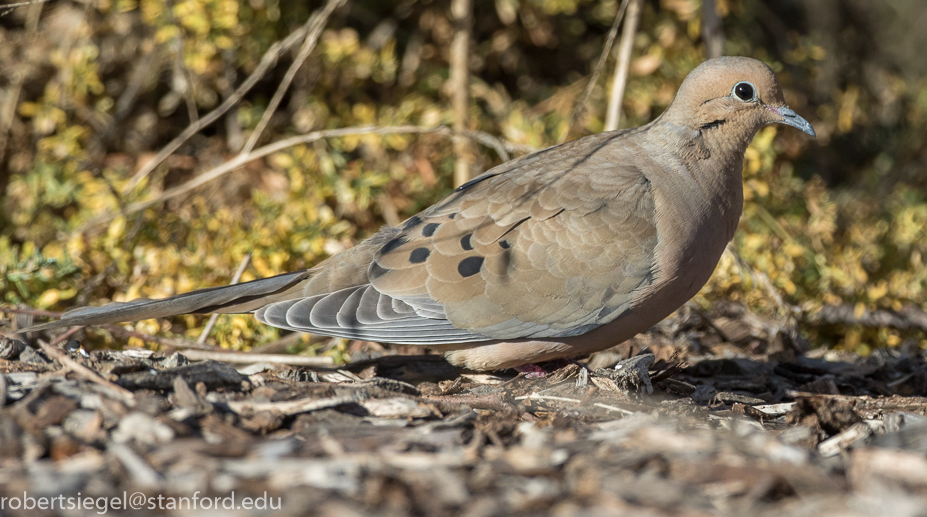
238 298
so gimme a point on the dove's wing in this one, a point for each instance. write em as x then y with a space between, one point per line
550 245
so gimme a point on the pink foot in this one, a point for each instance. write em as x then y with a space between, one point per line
531 371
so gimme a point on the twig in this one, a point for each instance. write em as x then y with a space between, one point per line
411 60
121 393
243 159
462 18
233 134
267 61
292 407
497 145
316 23
537 396
620 80
246 358
179 68
62 337
614 408
599 66
388 209
6 9
31 312
898 382
17 77
142 474
212 319
712 30
907 318
8 108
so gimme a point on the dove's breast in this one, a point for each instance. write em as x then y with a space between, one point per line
698 207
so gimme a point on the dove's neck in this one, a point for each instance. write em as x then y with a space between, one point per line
698 189
702 170
722 145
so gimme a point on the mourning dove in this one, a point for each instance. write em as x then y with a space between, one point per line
562 252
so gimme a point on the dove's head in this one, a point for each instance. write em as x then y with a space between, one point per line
734 95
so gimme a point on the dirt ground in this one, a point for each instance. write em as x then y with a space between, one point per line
724 413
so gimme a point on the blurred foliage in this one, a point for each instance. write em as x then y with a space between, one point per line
92 90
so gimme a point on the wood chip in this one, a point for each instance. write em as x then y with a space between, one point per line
292 407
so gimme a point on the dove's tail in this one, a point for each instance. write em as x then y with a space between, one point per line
238 298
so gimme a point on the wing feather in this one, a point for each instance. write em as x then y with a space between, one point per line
551 245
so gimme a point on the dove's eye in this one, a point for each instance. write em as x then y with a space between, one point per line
744 91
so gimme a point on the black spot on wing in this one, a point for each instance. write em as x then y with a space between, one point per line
470 266
505 244
412 222
392 244
505 260
419 255
465 242
430 229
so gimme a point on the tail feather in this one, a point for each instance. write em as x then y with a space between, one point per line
238 298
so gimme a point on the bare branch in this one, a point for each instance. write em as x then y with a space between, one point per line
620 80
66 335
907 318
31 312
119 392
316 23
293 407
462 18
16 77
267 62
712 31
215 316
599 66
502 147
8 108
243 159
6 9
247 358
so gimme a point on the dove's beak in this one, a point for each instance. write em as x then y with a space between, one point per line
790 118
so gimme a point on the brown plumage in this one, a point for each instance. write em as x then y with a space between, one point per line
565 251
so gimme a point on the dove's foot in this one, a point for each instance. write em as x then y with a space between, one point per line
531 371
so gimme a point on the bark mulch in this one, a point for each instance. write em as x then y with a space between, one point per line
720 414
